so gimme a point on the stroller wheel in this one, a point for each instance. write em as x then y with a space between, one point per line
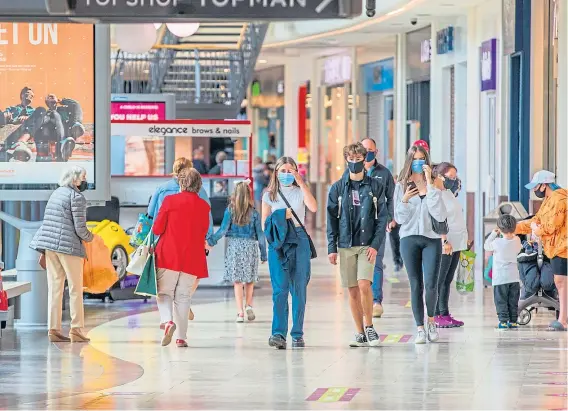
524 317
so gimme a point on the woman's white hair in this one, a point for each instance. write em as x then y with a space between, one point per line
71 175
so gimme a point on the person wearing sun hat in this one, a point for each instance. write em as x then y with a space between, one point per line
549 224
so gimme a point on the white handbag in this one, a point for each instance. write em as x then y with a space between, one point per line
139 257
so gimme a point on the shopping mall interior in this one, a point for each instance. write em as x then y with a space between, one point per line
201 109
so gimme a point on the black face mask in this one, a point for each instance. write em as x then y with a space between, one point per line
356 168
540 194
82 187
452 185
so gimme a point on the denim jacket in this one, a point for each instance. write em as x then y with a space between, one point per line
252 231
172 187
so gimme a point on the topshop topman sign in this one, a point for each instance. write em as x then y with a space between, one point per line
107 10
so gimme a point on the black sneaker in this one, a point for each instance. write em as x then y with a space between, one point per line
359 341
298 343
398 266
277 341
372 336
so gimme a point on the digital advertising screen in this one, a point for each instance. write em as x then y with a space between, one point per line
47 103
137 155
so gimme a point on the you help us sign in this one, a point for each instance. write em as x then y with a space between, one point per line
167 10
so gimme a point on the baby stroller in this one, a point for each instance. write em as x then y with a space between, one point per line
538 289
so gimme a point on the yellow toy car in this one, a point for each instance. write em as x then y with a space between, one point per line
117 241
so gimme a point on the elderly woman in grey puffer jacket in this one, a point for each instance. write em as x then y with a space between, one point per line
61 238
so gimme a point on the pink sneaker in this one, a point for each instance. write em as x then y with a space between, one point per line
455 322
443 321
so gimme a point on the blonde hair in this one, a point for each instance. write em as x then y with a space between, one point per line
180 164
189 179
274 185
241 204
406 171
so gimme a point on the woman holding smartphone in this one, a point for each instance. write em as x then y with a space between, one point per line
417 202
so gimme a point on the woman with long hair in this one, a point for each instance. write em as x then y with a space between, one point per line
287 187
241 225
445 177
417 203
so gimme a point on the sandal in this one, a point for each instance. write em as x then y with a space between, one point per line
556 326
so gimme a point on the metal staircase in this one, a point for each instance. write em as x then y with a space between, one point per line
208 71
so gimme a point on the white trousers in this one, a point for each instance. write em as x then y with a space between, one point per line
174 298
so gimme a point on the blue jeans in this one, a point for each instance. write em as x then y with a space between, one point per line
294 282
378 276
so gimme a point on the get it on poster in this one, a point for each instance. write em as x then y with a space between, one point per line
46 101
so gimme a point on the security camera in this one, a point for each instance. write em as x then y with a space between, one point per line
414 21
371 5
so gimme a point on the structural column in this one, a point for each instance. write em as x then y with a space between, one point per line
400 102
562 104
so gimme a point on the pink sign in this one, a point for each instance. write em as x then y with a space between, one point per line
137 111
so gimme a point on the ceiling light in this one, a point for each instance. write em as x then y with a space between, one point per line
262 61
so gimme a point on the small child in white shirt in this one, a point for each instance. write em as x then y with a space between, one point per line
506 288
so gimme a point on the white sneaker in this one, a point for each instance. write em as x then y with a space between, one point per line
420 337
240 318
433 334
250 313
372 336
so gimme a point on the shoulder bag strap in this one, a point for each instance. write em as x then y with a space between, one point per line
293 212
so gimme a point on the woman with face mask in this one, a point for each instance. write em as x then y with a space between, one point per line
445 179
417 201
60 238
286 185
549 224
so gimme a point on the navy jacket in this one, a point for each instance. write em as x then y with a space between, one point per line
281 234
383 174
340 213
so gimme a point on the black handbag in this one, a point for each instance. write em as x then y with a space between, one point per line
313 251
440 228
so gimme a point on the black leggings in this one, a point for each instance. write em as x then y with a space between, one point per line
421 256
447 270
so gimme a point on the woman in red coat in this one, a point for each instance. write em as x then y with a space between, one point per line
182 225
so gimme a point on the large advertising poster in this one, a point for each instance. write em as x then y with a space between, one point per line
137 155
47 104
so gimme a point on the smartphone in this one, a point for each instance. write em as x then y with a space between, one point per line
411 185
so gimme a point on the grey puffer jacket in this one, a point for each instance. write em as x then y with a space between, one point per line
64 225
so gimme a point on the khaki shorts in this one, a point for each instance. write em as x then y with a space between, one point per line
354 266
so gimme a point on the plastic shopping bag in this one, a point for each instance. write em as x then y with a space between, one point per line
3 297
140 256
148 283
141 230
488 273
98 272
465 280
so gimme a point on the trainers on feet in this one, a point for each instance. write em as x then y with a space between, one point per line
503 326
420 337
168 333
181 343
443 321
455 322
513 326
372 336
433 335
359 341
298 343
240 318
377 310
277 341
250 313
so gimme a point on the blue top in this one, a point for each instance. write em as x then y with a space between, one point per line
172 187
252 231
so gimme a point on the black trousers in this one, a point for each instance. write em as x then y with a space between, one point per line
506 297
447 271
394 237
422 257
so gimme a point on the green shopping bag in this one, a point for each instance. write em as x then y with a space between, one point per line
148 282
465 277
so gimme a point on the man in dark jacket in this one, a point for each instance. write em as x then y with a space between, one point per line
379 172
356 228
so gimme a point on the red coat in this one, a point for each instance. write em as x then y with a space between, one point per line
182 225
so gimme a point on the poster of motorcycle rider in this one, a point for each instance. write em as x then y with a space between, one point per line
47 97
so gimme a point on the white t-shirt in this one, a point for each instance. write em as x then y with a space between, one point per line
505 270
295 197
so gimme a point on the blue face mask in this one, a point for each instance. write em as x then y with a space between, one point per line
371 155
286 179
417 166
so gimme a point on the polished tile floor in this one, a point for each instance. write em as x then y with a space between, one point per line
230 366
